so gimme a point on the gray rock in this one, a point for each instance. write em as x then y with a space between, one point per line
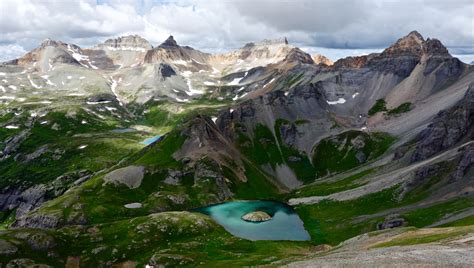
130 176
391 221
466 162
38 221
7 248
174 177
37 240
288 134
447 128
25 263
13 143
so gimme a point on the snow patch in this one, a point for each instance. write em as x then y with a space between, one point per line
82 146
209 83
186 73
97 102
192 91
12 87
214 119
33 83
113 87
182 100
133 205
355 95
12 127
79 57
235 82
339 101
2 74
48 82
273 79
180 62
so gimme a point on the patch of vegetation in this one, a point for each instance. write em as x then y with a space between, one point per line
296 160
339 153
327 188
262 148
57 143
429 215
331 222
379 106
422 238
402 108
169 238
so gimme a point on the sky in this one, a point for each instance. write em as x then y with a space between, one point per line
334 28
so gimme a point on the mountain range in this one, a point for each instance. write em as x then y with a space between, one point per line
375 154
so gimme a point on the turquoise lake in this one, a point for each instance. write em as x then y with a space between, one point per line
284 225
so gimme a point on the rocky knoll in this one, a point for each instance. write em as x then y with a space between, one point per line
257 216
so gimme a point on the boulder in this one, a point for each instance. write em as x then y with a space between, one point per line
131 176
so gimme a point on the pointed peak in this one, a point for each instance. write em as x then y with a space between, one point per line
411 44
170 42
414 35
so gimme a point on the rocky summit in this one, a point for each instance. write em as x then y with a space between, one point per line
108 152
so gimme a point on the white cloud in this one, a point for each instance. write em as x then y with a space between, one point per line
8 52
357 26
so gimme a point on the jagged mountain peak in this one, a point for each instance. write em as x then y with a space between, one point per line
169 42
321 59
411 44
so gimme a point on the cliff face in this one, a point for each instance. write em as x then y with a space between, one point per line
447 128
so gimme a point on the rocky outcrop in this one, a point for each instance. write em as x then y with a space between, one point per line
257 216
130 42
447 128
13 143
38 220
25 199
299 56
466 163
169 43
323 60
130 176
391 221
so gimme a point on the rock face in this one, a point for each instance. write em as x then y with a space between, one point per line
131 176
320 59
256 216
391 221
170 42
447 128
130 42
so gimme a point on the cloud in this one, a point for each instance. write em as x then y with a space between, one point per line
213 25
9 52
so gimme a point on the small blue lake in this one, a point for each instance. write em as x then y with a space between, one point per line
284 225
150 140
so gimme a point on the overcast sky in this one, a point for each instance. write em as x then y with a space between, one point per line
335 28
